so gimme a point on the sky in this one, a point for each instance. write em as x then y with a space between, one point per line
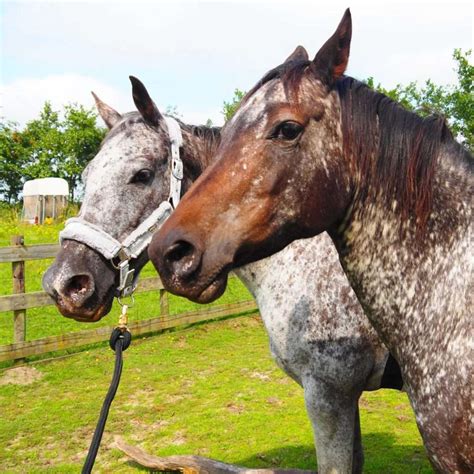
192 55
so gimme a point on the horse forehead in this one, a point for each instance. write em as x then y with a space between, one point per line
253 110
120 149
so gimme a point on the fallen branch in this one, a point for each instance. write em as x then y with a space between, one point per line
192 464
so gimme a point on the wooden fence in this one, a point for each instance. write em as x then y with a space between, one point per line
20 301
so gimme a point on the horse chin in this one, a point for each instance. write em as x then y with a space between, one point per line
212 291
83 314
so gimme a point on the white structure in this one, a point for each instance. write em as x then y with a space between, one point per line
45 197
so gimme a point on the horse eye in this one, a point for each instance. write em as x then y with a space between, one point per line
144 176
288 130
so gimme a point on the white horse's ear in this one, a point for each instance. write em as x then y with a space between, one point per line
108 114
299 54
331 60
145 105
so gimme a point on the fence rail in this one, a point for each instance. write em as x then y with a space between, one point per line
21 252
20 301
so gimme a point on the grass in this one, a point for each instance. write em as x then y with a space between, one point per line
211 390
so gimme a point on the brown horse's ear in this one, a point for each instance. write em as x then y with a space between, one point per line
108 114
331 60
299 54
147 108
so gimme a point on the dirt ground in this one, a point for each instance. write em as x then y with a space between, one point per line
20 376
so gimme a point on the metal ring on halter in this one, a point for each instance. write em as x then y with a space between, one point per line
132 301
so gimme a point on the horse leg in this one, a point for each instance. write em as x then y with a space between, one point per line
358 450
333 417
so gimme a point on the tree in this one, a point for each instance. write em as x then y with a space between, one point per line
229 108
42 143
13 160
80 142
48 146
454 102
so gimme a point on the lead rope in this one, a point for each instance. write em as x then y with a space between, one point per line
119 341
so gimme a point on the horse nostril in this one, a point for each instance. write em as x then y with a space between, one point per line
78 288
182 258
178 251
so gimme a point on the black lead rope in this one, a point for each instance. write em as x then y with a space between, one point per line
119 341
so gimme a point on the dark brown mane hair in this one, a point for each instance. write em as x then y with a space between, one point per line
395 151
212 134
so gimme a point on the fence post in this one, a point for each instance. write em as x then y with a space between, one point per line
18 274
164 304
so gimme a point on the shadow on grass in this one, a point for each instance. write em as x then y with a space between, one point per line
382 454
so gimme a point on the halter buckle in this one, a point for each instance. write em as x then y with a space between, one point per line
125 287
177 169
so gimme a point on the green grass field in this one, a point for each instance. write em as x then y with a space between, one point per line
211 389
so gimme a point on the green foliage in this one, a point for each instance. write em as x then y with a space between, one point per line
48 146
81 141
454 102
13 160
229 108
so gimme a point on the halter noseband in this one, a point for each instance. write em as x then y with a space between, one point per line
121 253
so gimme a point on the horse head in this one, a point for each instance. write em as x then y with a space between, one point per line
124 184
278 176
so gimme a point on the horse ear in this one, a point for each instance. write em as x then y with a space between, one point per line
331 60
147 108
108 114
299 54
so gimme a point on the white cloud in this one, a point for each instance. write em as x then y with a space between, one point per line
24 98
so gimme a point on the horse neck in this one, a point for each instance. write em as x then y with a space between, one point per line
411 283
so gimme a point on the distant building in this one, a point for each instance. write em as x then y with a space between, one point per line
44 198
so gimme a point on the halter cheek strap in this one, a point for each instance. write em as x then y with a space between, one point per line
176 138
120 253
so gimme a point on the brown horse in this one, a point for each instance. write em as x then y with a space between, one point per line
312 150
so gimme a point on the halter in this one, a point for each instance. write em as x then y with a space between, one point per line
121 253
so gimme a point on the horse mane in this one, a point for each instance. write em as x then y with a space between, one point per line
396 151
210 134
